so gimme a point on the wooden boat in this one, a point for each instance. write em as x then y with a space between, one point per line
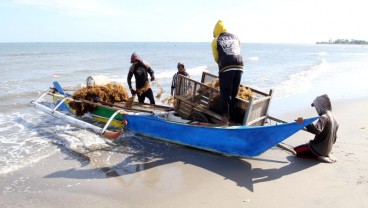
233 141
159 122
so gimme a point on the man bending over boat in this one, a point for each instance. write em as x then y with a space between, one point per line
325 130
140 69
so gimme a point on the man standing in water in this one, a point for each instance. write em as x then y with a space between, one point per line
140 69
227 54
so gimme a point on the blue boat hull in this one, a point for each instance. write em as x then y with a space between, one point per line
242 141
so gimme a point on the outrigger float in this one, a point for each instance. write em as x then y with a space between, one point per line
191 123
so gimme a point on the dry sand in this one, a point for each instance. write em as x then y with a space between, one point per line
148 173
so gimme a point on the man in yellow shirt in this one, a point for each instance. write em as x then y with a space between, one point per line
227 54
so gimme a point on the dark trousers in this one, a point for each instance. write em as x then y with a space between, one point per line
148 94
305 151
229 86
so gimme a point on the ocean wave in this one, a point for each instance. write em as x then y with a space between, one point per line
301 82
16 95
20 145
254 58
191 71
21 85
322 53
28 138
163 76
24 54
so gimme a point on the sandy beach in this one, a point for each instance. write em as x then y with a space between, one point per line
147 173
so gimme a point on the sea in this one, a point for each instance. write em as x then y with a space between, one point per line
296 73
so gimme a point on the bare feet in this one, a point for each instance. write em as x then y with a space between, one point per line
329 159
332 157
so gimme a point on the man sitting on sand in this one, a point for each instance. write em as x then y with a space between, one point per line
325 130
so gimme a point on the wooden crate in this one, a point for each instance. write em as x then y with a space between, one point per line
193 96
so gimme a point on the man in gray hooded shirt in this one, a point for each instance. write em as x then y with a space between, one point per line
325 130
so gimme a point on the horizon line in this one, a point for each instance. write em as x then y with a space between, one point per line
146 42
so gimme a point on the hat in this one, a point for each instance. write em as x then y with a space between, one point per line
181 64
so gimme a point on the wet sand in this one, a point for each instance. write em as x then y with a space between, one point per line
146 173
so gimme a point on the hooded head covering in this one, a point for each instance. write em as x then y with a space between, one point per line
181 64
135 58
219 28
322 104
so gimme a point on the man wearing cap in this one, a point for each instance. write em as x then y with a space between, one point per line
325 130
181 71
140 69
227 54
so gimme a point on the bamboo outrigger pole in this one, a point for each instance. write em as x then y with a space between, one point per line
76 122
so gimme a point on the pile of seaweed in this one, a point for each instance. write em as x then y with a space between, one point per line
243 93
109 93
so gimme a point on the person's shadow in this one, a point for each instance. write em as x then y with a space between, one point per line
295 164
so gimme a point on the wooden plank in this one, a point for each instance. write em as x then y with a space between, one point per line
276 119
282 146
281 121
249 110
201 109
256 120
260 108
206 74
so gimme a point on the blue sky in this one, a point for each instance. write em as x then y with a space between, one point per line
253 21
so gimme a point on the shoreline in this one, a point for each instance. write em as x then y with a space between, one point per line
148 173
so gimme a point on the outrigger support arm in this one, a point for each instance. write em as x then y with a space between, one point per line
58 105
112 135
76 122
109 134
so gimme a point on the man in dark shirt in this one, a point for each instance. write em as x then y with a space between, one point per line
140 69
227 54
325 131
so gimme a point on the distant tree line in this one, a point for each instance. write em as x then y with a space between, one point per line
345 41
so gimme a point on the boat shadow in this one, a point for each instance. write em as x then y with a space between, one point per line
141 154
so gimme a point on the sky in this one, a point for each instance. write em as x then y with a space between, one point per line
253 21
